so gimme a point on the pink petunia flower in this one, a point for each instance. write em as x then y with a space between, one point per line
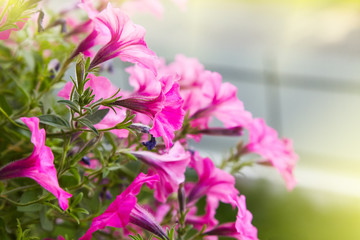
39 165
264 141
124 209
102 88
220 102
242 229
205 97
208 218
170 167
121 37
212 182
157 97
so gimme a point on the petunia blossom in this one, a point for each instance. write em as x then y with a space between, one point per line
208 218
242 229
39 165
170 167
157 97
124 209
120 38
220 102
212 181
264 140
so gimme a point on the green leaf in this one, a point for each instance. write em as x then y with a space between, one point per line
45 222
70 104
80 210
76 174
4 105
77 200
74 217
97 116
4 235
54 120
89 124
26 197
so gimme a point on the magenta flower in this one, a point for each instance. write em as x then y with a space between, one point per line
159 99
121 37
38 166
212 182
102 88
208 218
264 141
242 229
125 209
221 102
170 167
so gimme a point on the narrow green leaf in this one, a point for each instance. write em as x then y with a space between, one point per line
75 173
45 222
71 105
97 116
89 124
74 217
77 200
80 210
4 105
54 120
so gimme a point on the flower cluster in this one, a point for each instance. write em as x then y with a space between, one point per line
99 145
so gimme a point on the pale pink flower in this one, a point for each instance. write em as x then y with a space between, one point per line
242 229
221 102
102 88
39 165
264 141
170 167
205 97
124 209
212 182
121 37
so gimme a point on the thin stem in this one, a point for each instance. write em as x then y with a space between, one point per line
20 189
25 204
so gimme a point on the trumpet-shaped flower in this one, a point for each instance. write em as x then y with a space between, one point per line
39 165
212 182
124 210
220 102
242 229
208 218
264 141
120 37
158 98
170 167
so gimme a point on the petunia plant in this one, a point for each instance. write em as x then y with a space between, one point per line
82 159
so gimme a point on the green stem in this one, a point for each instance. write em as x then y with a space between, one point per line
20 189
25 204
64 153
12 121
